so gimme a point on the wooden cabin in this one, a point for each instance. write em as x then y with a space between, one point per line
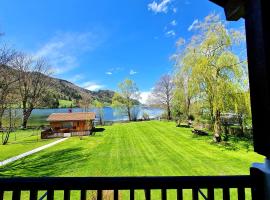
69 124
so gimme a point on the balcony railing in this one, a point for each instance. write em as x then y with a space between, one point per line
202 187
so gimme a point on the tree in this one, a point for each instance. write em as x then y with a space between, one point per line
11 118
99 106
213 67
241 103
85 102
162 94
7 78
185 91
33 83
125 99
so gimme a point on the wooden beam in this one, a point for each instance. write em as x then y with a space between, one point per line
257 30
234 9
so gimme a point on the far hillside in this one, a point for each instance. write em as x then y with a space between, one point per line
68 93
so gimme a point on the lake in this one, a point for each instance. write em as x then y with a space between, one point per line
39 116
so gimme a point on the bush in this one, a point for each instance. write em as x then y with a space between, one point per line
145 116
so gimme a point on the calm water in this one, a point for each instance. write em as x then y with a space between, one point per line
39 116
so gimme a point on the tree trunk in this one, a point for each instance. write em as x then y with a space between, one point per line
1 124
5 137
100 120
169 115
26 115
129 114
1 117
217 127
240 121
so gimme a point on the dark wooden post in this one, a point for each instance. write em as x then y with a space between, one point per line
257 31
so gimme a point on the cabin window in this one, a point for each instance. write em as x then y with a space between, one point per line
67 125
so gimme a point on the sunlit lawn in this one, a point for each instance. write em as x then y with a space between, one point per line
151 148
20 142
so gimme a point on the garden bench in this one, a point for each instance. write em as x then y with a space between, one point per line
199 132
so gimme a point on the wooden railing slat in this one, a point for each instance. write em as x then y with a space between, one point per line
147 193
164 194
131 194
241 193
16 195
179 194
50 195
99 195
33 194
83 194
66 194
210 193
195 193
115 194
1 194
226 194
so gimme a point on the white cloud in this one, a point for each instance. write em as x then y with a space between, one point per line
173 23
63 49
92 86
174 10
114 70
145 97
132 72
161 7
170 33
193 24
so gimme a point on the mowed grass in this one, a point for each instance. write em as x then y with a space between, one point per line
151 148
20 142
136 149
65 103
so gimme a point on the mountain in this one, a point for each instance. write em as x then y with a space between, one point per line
63 89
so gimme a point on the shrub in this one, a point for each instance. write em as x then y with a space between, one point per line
145 116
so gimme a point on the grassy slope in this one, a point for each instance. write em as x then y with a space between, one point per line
65 103
136 149
26 140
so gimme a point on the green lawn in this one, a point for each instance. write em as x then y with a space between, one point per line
151 148
20 142
65 103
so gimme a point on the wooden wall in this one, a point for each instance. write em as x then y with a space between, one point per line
80 125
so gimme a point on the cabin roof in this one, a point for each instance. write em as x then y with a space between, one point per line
76 116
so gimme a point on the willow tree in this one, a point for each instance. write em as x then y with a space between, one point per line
186 90
126 98
212 65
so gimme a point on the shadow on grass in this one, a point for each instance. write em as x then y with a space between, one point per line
230 145
53 163
99 130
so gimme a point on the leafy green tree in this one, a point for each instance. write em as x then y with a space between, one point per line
125 99
213 68
99 106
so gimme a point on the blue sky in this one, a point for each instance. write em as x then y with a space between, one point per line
98 43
